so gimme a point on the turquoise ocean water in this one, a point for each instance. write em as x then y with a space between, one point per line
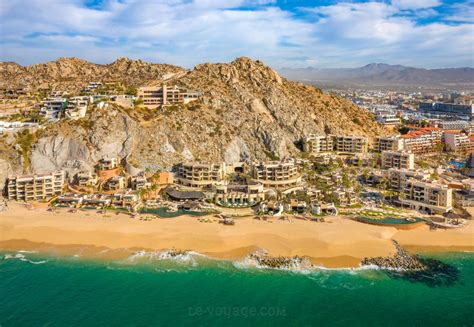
43 290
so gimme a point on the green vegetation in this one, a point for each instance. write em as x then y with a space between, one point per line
25 140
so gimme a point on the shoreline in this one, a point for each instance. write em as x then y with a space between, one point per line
339 243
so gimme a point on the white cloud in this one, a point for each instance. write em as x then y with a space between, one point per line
188 32
415 4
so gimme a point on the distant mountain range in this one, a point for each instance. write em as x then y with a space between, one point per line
383 74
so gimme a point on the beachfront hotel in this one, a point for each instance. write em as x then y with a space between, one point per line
388 143
430 197
157 96
398 159
35 187
318 143
197 174
278 174
352 144
239 194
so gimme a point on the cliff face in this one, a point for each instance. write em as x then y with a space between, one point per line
247 111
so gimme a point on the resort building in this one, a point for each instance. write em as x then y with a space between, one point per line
398 159
345 197
70 200
35 187
157 96
318 143
352 144
430 197
108 164
423 140
139 182
77 107
108 168
283 174
239 194
388 143
200 174
398 177
51 108
86 179
115 183
92 86
458 142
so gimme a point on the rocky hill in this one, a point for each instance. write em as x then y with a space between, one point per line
72 74
247 111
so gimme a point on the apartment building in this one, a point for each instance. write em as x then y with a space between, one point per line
318 143
398 159
158 96
238 194
279 174
52 107
388 143
424 196
397 177
353 144
139 182
423 140
200 174
35 187
115 183
458 142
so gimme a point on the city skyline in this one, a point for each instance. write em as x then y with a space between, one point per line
424 33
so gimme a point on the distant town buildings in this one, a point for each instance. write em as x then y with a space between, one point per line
450 109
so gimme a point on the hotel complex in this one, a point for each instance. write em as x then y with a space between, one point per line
196 174
35 187
278 174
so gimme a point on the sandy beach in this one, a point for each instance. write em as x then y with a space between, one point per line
339 242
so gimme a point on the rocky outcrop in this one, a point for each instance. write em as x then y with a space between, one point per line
400 261
72 74
247 111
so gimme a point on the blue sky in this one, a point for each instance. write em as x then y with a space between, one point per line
282 33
